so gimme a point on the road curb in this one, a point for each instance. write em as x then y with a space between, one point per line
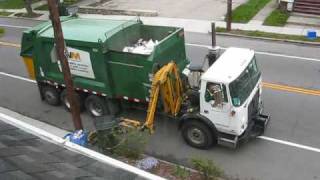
269 39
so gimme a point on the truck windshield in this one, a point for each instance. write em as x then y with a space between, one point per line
241 88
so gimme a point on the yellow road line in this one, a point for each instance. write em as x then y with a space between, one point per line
9 44
267 85
291 89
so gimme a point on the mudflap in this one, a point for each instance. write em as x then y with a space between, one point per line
260 123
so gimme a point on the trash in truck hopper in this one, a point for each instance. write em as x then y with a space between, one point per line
141 47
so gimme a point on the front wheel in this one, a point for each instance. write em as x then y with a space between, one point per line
197 134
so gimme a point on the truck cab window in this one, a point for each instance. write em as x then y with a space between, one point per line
210 90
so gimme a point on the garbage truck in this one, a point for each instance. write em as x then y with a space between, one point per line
116 61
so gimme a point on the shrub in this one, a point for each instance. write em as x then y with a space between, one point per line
120 141
181 173
207 168
132 144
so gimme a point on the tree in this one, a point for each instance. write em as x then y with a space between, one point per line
28 7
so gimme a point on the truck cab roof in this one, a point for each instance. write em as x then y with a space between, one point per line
229 65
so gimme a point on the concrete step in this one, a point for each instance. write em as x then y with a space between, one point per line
307 11
308 8
306 4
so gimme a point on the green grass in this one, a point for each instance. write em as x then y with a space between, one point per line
277 18
269 35
245 12
4 13
45 7
1 31
42 8
70 2
13 4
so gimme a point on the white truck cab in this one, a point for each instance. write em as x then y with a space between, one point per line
230 98
237 75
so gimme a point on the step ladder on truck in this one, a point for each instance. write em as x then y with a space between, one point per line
120 61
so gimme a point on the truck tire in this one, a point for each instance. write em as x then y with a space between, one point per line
197 134
96 106
66 104
51 95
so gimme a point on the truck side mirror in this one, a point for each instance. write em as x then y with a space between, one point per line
218 97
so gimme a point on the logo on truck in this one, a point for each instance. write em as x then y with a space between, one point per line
79 62
75 56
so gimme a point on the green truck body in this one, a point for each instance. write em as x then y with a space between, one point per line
96 57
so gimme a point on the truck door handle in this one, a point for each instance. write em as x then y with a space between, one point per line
206 111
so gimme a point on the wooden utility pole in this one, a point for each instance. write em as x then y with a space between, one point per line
229 14
213 35
62 56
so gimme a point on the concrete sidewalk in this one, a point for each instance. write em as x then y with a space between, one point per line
264 13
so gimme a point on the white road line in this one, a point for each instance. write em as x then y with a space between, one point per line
13 26
288 56
309 148
76 148
264 53
279 141
17 77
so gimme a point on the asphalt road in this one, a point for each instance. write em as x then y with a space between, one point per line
294 115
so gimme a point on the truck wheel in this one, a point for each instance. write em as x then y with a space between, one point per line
51 95
197 134
64 100
96 106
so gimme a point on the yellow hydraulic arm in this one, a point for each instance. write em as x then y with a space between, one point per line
167 83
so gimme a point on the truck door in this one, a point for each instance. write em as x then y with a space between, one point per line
219 114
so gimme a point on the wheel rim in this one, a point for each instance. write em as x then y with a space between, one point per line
96 109
196 136
49 96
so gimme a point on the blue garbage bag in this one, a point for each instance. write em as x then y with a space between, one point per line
79 137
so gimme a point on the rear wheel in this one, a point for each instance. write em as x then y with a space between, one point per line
197 134
66 103
96 106
51 95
